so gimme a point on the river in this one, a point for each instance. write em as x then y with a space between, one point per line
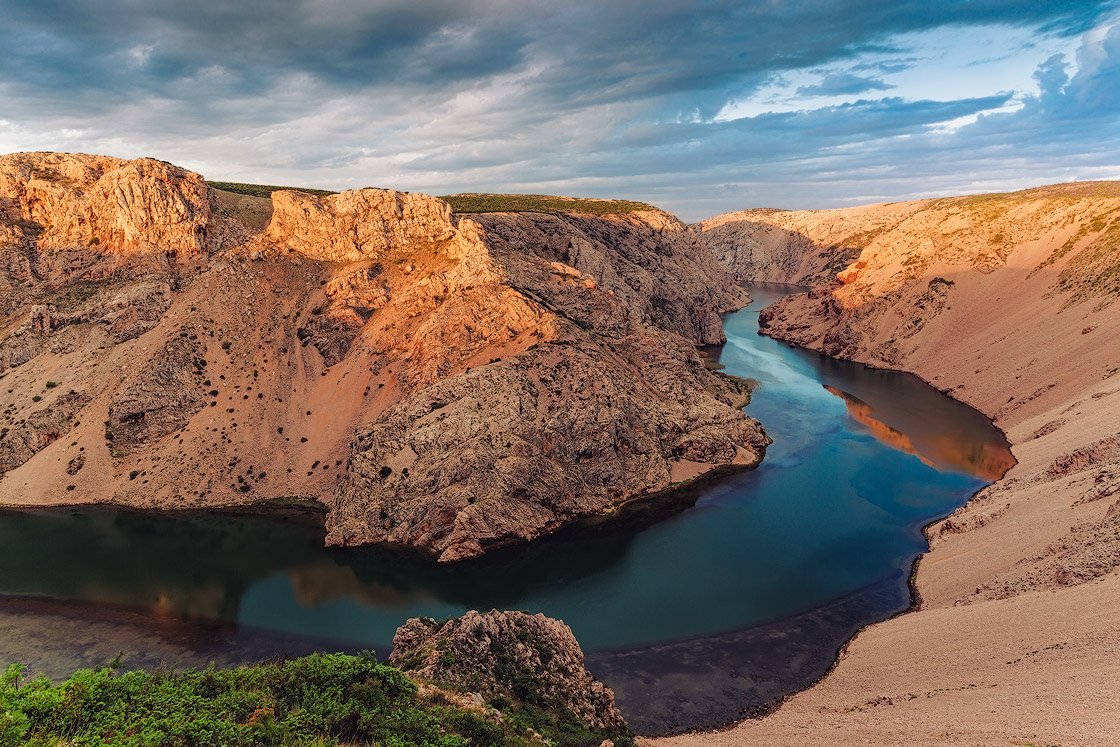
713 613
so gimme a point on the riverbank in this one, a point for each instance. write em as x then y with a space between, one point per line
1015 639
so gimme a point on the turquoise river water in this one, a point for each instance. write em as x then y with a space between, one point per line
712 613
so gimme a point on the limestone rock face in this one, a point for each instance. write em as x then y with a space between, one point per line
511 656
650 260
161 400
592 405
884 273
457 471
103 204
40 429
803 247
357 224
447 383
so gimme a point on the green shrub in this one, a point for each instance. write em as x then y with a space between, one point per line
263 190
477 203
323 699
494 203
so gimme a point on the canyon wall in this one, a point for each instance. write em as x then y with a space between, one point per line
450 384
1010 303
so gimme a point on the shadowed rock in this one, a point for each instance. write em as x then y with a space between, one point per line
508 657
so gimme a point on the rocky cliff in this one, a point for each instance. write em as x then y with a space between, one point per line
446 383
1011 303
99 204
509 658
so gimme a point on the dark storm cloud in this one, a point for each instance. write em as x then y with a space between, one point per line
117 47
620 49
597 97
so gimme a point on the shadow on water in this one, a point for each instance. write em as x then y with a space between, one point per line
712 607
198 565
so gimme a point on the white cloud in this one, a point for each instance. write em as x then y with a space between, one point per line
698 108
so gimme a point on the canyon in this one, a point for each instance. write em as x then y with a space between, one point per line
1009 303
455 383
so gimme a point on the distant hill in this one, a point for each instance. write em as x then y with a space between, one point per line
499 203
264 190
477 202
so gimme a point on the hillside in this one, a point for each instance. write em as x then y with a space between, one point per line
165 345
455 693
1010 303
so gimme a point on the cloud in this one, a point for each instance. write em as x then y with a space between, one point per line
841 84
597 98
885 67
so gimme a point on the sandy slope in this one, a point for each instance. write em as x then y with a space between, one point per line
1009 302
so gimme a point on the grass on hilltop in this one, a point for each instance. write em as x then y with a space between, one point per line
478 203
496 203
322 699
264 190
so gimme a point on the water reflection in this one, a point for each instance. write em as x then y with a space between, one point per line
675 602
201 565
937 448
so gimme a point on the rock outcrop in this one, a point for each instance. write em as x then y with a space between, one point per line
454 469
26 438
356 225
509 657
650 260
161 400
448 383
1011 303
458 471
102 204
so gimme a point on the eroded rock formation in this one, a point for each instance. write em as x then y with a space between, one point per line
449 383
102 204
26 438
509 657
161 400
356 225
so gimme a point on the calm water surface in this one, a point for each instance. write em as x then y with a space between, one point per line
710 614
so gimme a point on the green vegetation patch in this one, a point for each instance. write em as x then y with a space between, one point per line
493 203
264 190
477 203
322 699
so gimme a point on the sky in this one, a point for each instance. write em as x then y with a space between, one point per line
698 107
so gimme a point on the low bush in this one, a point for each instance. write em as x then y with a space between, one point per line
263 190
495 203
477 203
322 699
